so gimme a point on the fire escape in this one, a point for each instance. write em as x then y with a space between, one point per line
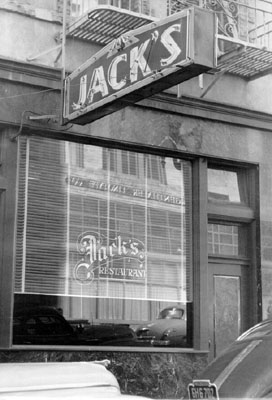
244 38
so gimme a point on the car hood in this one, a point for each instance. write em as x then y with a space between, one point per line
243 370
21 376
59 380
158 327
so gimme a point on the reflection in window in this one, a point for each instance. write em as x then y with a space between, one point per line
107 241
154 168
129 163
227 186
145 166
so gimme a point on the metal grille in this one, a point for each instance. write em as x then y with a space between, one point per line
103 24
244 34
247 20
247 62
244 28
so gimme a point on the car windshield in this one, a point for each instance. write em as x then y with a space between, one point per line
171 313
262 329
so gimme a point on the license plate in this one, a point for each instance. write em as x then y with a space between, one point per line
202 389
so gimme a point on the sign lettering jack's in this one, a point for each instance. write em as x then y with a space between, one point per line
104 258
141 63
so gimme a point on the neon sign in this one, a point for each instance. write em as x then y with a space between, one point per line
141 63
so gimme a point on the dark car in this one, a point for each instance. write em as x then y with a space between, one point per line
41 325
105 334
243 370
169 329
112 334
59 380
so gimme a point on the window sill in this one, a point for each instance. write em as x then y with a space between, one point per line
105 349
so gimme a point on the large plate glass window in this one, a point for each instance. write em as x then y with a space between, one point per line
103 246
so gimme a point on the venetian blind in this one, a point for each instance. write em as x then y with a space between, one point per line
41 217
97 222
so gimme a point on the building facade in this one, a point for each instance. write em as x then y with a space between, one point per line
143 237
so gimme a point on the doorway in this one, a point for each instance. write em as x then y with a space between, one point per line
229 304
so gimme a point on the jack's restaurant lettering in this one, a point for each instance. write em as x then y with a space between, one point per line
118 258
125 190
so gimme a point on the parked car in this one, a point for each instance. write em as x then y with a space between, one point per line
106 334
41 325
243 370
112 334
59 380
169 329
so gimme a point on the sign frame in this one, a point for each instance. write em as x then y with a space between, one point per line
199 57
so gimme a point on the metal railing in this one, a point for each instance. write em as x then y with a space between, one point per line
246 20
146 7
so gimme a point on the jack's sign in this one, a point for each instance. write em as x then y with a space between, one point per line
141 63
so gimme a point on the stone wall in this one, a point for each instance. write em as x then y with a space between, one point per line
155 375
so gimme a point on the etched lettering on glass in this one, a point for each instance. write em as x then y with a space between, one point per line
117 258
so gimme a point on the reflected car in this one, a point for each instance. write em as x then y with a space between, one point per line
169 329
106 334
59 380
43 325
243 370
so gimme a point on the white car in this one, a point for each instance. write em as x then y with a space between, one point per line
59 380
169 329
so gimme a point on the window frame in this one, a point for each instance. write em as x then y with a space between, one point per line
27 145
201 213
